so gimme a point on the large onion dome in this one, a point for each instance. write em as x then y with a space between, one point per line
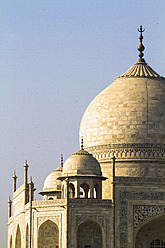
130 110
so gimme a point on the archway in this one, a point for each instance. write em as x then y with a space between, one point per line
152 234
89 235
48 235
18 238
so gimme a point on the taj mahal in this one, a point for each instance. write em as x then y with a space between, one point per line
111 192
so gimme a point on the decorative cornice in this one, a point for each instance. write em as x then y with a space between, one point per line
90 202
134 151
55 202
139 180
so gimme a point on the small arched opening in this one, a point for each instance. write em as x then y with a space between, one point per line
18 238
48 235
84 190
89 235
71 190
50 198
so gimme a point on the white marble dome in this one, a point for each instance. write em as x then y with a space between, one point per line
130 110
81 163
51 182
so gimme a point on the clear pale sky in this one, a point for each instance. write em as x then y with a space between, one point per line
55 57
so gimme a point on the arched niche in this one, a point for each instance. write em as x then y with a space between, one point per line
48 235
71 190
89 235
151 234
27 236
18 238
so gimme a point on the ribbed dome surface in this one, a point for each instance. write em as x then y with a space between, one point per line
82 163
140 69
51 182
130 110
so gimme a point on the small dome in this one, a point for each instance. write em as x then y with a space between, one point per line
51 182
82 163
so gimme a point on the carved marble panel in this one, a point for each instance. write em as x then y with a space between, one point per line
141 213
125 197
42 219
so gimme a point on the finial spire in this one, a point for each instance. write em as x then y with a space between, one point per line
14 181
61 160
26 164
82 143
141 48
14 176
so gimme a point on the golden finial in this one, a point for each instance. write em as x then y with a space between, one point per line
9 201
141 48
14 176
26 164
82 143
31 180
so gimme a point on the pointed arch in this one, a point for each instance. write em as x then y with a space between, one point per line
27 236
89 234
48 235
152 233
18 238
